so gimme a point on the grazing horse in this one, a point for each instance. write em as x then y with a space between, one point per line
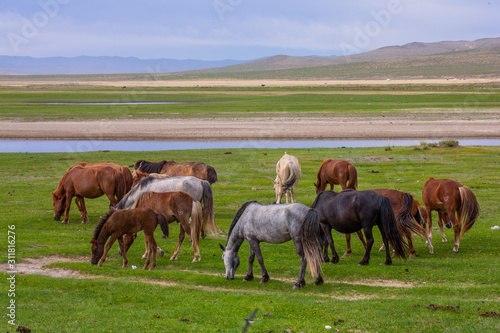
336 172
176 206
408 216
195 169
200 190
447 197
118 223
275 224
84 180
288 173
351 211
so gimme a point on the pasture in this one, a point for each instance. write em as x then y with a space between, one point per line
444 292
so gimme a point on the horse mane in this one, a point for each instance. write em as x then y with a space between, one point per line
101 222
142 197
145 182
238 215
149 167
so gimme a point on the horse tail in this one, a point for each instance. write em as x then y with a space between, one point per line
100 224
405 219
319 184
469 208
129 178
208 208
196 214
390 228
309 232
353 177
120 185
163 222
211 174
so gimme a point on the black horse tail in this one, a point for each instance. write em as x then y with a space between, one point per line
211 174
405 219
208 209
163 222
309 232
391 229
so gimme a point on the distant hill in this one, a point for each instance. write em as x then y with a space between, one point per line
101 65
385 53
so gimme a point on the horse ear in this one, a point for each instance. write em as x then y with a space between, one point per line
222 247
273 181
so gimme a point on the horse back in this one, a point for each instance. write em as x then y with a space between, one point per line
440 194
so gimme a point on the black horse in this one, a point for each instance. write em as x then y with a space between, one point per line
350 211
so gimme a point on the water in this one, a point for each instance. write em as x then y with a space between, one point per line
110 103
71 146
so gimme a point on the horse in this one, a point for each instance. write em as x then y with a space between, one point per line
288 173
200 190
84 180
255 223
336 172
120 168
118 223
447 197
176 206
351 211
195 169
408 214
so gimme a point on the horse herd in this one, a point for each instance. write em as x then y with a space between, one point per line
164 192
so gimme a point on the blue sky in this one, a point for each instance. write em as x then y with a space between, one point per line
235 29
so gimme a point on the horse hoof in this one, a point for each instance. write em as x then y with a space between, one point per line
195 260
248 278
173 258
263 281
64 222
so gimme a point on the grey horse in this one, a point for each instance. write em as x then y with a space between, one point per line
255 223
198 189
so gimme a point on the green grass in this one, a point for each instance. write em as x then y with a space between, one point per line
33 104
181 296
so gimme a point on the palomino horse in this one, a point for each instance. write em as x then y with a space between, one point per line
447 196
176 206
288 173
195 169
198 189
118 223
88 181
275 224
339 172
351 211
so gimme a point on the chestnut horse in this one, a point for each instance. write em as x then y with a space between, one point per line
176 206
338 172
121 225
447 197
195 169
84 180
138 175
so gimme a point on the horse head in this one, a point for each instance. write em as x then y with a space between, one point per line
97 251
59 203
231 262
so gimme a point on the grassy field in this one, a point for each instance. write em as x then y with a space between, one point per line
432 293
43 103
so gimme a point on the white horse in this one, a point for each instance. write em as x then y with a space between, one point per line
288 173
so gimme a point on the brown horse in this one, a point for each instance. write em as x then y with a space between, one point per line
195 169
84 180
339 172
138 175
126 222
176 206
336 172
447 197
408 215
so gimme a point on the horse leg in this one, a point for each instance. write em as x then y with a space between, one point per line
80 202
456 228
123 251
256 249
112 239
348 251
69 197
329 239
292 195
443 218
153 250
369 245
251 258
413 253
179 243
151 246
301 282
